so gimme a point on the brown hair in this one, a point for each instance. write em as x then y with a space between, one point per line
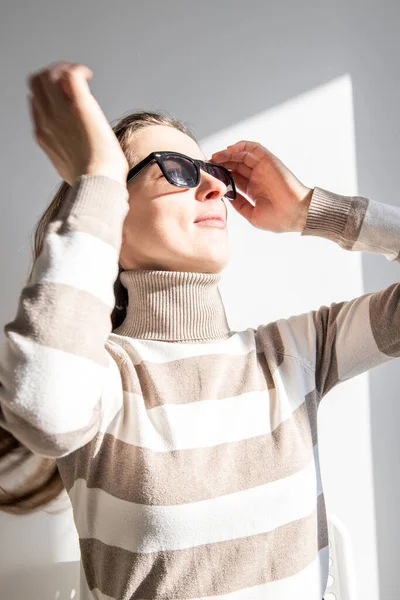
45 485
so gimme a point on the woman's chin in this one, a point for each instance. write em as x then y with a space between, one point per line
211 261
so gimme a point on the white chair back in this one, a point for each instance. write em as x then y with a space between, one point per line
341 580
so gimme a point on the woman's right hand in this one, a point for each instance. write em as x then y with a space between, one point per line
70 126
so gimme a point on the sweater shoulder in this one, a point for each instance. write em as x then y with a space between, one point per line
292 337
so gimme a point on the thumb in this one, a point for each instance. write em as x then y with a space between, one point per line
242 206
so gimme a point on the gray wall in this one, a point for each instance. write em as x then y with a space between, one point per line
212 64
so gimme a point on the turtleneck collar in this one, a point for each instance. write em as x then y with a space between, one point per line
173 306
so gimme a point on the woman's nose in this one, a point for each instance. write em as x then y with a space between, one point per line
211 187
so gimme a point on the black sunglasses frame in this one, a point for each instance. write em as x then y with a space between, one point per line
198 164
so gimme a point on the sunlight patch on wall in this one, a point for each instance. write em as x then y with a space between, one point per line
272 276
313 134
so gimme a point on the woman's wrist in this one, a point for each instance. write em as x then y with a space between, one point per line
107 171
302 212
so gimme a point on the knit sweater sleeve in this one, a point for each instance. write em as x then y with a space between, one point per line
348 338
54 368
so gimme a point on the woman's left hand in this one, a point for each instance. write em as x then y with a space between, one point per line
281 201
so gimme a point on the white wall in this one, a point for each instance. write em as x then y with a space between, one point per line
318 85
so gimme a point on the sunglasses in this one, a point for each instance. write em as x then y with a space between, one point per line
184 171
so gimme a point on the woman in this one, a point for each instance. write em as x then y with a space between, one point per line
189 451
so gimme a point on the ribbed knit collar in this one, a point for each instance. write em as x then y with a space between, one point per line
173 306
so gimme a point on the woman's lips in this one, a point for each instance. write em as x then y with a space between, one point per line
212 223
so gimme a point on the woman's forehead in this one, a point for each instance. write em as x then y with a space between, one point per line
163 137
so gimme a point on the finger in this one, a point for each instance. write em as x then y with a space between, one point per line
247 158
237 147
241 162
39 129
51 84
243 206
247 146
37 90
239 168
219 156
255 148
35 115
74 81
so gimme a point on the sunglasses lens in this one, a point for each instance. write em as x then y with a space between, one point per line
223 176
180 171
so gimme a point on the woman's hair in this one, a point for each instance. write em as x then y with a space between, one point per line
44 485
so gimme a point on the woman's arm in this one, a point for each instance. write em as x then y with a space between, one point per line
348 338
355 223
54 366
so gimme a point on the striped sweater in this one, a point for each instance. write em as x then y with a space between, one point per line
189 451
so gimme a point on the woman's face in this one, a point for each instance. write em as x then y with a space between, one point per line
159 231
